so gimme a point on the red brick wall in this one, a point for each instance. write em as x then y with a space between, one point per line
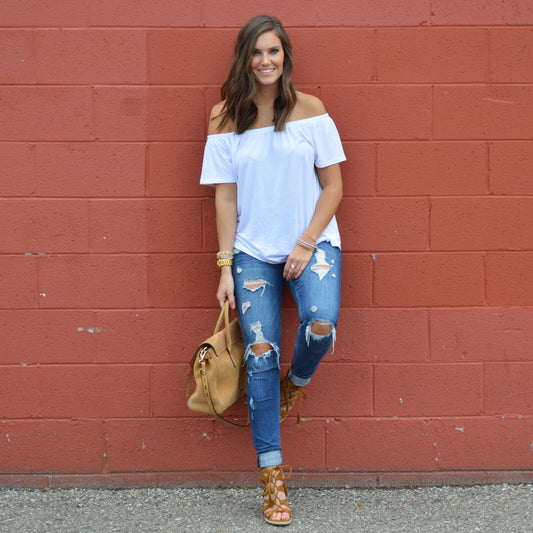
107 271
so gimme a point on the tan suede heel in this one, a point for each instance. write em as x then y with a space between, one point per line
289 393
275 494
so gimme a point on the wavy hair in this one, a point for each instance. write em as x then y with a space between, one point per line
240 88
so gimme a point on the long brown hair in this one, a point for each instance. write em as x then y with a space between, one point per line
239 89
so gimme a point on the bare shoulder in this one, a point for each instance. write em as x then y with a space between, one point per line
307 106
215 120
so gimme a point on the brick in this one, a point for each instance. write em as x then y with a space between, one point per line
304 445
160 445
356 378
323 54
510 278
410 444
357 273
16 173
45 113
510 167
185 56
381 336
170 283
145 225
359 169
235 451
47 336
152 336
379 112
149 114
481 443
376 13
381 444
118 226
44 13
488 12
483 112
174 170
425 389
89 169
32 225
17 62
168 390
491 334
511 51
480 223
432 55
87 391
100 281
234 13
18 398
87 56
412 280
67 446
507 388
432 168
384 224
143 13
18 282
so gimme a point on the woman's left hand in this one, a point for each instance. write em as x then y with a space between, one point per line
296 262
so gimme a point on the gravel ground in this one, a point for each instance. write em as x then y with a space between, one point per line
486 508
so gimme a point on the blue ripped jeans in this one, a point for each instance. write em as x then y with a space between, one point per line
258 291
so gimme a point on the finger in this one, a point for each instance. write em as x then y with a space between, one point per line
231 299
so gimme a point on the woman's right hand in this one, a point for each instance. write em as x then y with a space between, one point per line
226 287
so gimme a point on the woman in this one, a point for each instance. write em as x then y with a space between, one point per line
273 155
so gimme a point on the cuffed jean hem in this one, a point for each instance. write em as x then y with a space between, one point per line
299 382
269 459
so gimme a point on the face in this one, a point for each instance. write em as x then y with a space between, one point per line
267 59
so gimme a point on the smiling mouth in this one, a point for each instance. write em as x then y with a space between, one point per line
266 70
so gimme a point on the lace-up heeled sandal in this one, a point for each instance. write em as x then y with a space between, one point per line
275 494
289 393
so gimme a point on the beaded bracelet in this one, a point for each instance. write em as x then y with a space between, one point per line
306 245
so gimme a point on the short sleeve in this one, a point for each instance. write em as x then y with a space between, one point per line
327 142
217 166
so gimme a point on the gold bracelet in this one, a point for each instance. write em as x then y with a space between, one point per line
224 262
224 255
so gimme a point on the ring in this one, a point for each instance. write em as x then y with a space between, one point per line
293 266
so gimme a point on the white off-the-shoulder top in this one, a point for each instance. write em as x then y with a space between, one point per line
277 184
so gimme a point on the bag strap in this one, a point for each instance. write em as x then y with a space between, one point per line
207 394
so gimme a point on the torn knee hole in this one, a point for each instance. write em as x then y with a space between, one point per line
321 328
261 348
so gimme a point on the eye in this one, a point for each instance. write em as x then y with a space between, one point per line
274 51
256 53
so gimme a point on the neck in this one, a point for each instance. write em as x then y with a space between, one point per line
265 96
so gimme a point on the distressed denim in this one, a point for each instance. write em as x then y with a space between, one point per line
258 291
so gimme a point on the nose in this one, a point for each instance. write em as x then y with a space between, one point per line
264 58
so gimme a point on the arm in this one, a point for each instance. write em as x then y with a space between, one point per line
331 182
226 217
226 214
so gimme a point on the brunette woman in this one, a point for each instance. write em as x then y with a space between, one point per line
273 154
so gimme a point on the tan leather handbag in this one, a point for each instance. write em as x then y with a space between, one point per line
218 370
